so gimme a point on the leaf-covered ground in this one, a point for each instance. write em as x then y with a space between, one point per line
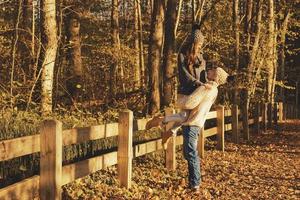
266 167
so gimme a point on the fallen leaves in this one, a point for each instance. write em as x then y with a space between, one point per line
266 167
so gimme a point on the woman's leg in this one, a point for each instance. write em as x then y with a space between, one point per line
177 118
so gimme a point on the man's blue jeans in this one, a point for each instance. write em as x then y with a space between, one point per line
190 152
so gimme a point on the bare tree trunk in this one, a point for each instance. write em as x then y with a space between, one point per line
49 33
14 50
141 45
33 30
178 16
283 33
74 83
248 23
193 11
199 12
155 45
24 44
236 21
138 42
252 69
137 78
275 59
169 46
115 40
270 47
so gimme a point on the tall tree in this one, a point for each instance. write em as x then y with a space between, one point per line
168 53
74 83
271 56
50 40
283 32
140 68
248 23
178 16
199 12
154 54
236 21
193 11
254 70
115 41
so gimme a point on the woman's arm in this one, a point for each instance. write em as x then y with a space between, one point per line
185 72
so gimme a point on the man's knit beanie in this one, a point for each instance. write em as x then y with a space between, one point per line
221 76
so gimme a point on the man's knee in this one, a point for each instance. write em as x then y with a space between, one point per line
190 154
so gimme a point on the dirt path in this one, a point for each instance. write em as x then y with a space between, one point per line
266 167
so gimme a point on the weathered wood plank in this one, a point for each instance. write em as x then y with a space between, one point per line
11 148
125 148
25 189
220 128
228 127
201 143
210 132
51 160
211 115
140 124
83 134
83 168
147 147
179 140
227 113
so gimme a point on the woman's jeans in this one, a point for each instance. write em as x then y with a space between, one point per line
190 152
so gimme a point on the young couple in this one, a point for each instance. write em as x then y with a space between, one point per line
198 90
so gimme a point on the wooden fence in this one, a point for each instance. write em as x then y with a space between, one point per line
51 139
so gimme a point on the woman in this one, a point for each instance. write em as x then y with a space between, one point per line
191 71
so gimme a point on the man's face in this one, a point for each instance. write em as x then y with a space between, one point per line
212 74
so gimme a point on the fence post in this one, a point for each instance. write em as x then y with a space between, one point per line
125 148
201 143
256 118
264 116
50 159
245 115
235 123
280 112
220 127
171 146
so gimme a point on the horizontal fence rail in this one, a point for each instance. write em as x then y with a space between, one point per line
51 139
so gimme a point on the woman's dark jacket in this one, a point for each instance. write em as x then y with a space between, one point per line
188 82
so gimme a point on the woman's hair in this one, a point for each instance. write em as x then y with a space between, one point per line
190 46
